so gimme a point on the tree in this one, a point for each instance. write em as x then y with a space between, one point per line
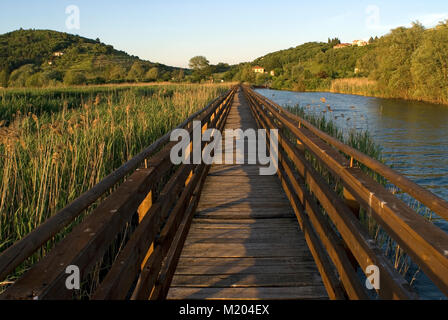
430 64
137 72
198 63
394 58
262 79
152 74
4 75
201 68
19 76
333 42
74 78
247 75
116 73
53 75
221 67
178 75
36 80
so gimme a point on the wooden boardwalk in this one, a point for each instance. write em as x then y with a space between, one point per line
226 232
244 241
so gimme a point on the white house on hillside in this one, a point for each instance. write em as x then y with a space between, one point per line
258 69
360 43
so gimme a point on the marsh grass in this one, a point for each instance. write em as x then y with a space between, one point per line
51 153
360 86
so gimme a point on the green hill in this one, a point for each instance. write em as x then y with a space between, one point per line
36 58
409 63
309 66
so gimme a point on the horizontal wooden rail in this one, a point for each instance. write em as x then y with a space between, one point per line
87 243
303 203
127 266
429 199
21 250
424 242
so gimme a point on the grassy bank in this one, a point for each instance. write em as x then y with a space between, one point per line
362 87
358 86
371 88
55 145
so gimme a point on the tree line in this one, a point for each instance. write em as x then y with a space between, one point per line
408 62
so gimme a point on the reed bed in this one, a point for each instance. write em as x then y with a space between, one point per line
51 153
359 86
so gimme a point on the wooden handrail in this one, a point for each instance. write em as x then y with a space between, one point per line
122 274
422 240
303 203
21 250
366 252
432 201
125 199
154 278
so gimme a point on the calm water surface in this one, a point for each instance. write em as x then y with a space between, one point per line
413 137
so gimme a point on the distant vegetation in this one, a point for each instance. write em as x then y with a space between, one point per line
410 63
41 58
44 58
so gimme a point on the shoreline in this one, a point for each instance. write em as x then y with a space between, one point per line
445 104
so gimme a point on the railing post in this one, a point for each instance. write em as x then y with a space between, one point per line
300 146
147 203
351 202
354 206
144 208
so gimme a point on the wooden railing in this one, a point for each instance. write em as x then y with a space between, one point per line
162 198
151 202
337 239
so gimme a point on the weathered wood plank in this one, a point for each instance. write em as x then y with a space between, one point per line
239 280
294 262
262 293
246 250
248 223
306 265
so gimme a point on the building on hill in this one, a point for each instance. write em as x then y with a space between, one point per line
342 45
258 69
58 54
360 43
272 73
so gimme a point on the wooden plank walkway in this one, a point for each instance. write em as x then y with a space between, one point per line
245 242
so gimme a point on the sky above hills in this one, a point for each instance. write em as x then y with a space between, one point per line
173 31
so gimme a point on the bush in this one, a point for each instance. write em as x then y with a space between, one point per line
74 78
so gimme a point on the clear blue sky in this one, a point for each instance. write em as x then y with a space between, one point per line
172 31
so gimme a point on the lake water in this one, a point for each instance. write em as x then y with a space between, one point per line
413 137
